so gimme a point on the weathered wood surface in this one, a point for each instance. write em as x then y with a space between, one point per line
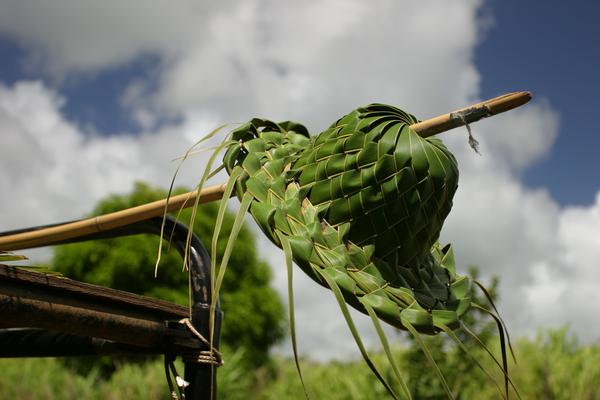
31 299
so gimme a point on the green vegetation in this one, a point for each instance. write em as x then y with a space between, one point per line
48 379
254 317
551 366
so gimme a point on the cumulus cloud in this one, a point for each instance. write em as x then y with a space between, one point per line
314 61
53 171
522 137
309 61
566 291
305 60
70 36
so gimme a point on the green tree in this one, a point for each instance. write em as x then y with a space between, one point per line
254 314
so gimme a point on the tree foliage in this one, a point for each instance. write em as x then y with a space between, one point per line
254 316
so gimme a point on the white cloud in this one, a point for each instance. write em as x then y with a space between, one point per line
522 137
309 61
73 36
314 61
301 60
566 292
52 171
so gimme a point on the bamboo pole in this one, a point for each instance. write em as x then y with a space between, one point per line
70 230
471 113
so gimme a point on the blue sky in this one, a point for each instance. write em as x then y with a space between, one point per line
553 49
96 96
92 98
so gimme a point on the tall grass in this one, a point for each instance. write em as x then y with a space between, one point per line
49 379
552 366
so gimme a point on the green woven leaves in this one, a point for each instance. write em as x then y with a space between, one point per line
365 200
358 208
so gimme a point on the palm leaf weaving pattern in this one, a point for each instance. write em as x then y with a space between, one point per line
359 209
363 203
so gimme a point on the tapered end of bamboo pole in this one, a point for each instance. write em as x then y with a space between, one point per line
471 114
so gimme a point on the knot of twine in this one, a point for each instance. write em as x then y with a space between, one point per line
212 356
471 115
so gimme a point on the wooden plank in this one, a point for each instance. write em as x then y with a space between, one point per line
17 276
30 299
33 342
